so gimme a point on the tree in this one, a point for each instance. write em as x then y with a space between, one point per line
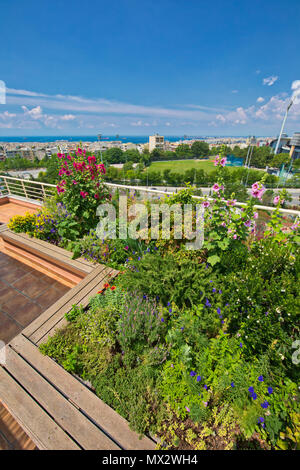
183 151
114 155
199 149
280 159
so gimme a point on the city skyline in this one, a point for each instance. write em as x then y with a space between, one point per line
131 69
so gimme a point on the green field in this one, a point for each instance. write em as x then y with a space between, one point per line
180 166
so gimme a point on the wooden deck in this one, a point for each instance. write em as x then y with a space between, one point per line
54 408
12 436
9 209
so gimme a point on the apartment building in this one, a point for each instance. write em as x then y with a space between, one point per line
156 142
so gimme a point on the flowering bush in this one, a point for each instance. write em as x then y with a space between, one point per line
81 186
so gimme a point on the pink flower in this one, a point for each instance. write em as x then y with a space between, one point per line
187 409
258 190
205 204
83 194
231 202
92 159
276 200
216 187
223 161
216 161
235 236
96 196
75 182
101 168
255 215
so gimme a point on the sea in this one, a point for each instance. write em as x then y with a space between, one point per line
135 139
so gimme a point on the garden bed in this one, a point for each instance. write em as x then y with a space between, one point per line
196 347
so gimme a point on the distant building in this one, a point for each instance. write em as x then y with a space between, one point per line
156 142
289 145
2 154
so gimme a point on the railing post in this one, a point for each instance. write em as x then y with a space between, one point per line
43 189
24 189
6 184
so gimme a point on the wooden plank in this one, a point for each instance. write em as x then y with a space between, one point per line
110 421
45 252
57 249
62 302
82 298
37 424
66 415
3 228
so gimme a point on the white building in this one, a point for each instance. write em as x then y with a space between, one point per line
156 142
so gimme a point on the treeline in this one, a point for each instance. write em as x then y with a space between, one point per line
19 163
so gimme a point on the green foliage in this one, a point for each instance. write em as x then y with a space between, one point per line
181 281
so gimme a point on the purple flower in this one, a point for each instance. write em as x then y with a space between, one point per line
241 345
260 378
187 409
192 373
265 404
251 390
162 320
205 386
270 390
198 378
253 395
232 384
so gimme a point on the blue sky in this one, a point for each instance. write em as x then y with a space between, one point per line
137 67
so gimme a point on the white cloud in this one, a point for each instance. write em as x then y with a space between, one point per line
235 91
270 80
260 99
68 117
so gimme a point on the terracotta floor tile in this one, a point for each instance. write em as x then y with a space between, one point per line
27 314
30 285
6 294
16 303
8 328
48 298
10 273
61 288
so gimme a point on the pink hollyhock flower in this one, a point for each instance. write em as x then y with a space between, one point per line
92 159
84 194
276 200
63 182
231 202
248 223
205 204
216 187
75 182
216 161
255 215
187 409
235 236
101 168
223 161
79 151
255 186
96 196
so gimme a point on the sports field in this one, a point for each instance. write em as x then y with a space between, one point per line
180 166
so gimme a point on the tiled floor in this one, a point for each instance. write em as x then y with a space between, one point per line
9 209
24 294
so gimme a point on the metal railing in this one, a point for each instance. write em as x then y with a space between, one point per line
36 190
140 189
33 190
